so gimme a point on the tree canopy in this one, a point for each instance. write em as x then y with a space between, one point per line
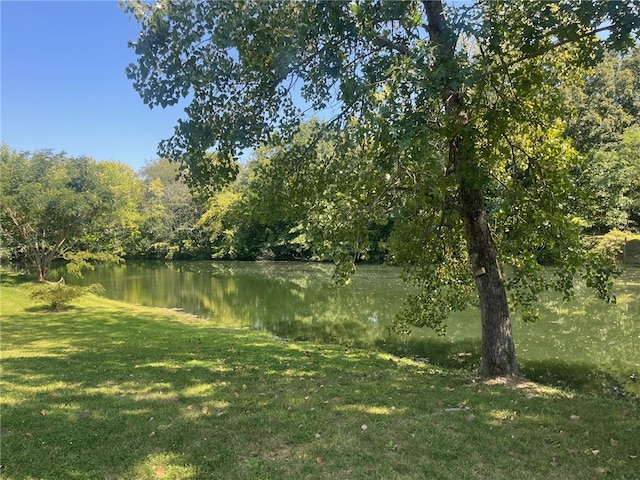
170 215
60 207
445 119
604 128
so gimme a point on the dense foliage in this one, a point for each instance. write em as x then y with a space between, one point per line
170 216
56 207
603 120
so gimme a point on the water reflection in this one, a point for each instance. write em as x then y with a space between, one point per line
292 300
603 339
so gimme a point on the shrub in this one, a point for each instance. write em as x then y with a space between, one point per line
59 295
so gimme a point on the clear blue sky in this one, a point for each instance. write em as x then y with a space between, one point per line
64 87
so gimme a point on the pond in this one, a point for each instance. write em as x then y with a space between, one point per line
585 343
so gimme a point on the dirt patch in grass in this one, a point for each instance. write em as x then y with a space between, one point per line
513 382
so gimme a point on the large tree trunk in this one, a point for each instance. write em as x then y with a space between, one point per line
498 349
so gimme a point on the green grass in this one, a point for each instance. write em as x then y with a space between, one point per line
106 390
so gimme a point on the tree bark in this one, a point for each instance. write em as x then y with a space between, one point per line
498 348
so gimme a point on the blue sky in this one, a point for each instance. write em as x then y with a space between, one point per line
63 82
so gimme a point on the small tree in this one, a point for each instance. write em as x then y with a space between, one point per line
53 207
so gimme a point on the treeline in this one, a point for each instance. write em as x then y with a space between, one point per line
56 206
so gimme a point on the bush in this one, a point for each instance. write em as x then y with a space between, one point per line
625 246
59 295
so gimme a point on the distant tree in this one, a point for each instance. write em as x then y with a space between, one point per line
603 122
171 212
444 108
613 175
53 207
226 221
605 103
119 229
255 217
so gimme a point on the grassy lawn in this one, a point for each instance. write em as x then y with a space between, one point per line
106 390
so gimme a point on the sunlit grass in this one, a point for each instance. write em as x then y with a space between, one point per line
114 391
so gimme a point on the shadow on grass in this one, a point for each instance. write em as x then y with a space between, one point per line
123 395
466 356
579 377
441 351
92 393
74 380
45 309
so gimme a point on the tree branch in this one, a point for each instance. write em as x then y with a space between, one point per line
382 41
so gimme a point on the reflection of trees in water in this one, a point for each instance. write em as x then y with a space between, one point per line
602 338
292 300
301 305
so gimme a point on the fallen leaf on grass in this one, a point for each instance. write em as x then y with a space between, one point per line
28 435
595 452
614 442
43 412
319 460
575 418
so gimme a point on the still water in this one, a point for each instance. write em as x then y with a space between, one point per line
299 301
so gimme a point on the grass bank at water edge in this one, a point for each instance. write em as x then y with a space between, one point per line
106 390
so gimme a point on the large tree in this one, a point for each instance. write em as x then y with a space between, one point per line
448 117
